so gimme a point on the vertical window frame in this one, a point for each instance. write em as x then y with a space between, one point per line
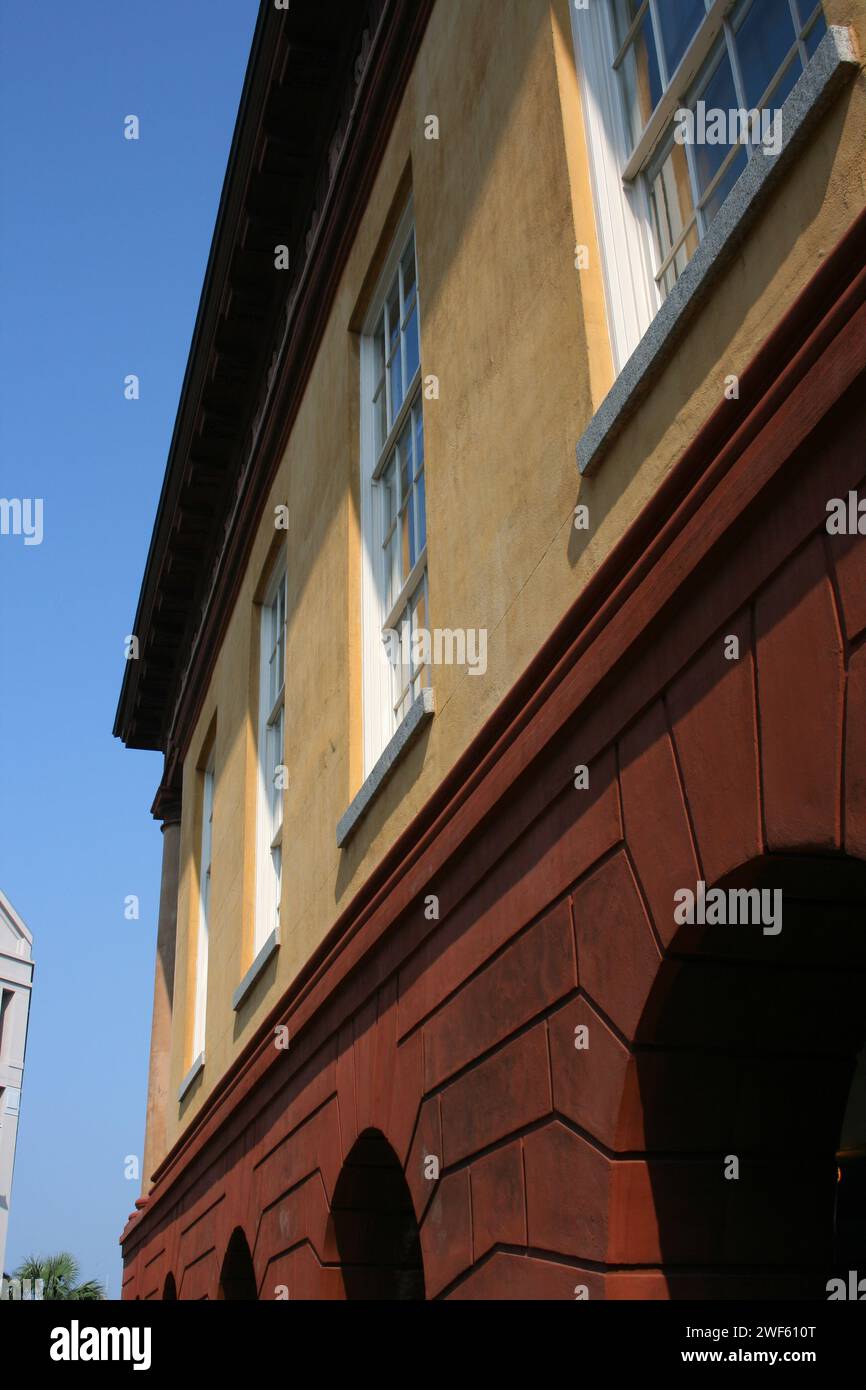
270 752
381 608
205 879
621 167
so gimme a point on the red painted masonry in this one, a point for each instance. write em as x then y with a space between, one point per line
563 1168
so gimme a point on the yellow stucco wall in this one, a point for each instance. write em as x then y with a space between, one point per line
518 340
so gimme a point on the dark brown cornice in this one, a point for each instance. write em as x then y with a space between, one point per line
321 92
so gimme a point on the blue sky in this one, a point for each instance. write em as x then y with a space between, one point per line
103 246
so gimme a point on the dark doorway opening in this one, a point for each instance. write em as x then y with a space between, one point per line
745 1057
169 1292
374 1223
238 1278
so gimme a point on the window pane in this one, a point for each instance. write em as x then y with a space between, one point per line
719 94
409 271
419 436
380 350
672 200
281 632
396 387
421 513
394 372
763 40
640 71
816 33
392 579
407 545
379 427
389 497
404 454
724 186
679 21
786 84
277 861
412 350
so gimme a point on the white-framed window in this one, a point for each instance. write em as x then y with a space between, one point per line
204 897
640 62
271 770
393 497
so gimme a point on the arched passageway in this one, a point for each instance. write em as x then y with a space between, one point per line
374 1224
169 1291
745 1056
237 1277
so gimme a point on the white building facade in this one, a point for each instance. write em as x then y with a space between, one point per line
16 982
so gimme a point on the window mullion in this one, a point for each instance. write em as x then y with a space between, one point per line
632 32
696 192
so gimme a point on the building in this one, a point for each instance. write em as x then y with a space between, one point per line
16 983
498 605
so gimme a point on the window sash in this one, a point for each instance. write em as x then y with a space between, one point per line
714 44
271 750
724 17
393 477
203 933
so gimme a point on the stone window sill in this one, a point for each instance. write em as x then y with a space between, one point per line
419 715
196 1068
833 63
271 946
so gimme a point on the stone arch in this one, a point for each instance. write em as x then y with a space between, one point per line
745 1049
238 1277
374 1224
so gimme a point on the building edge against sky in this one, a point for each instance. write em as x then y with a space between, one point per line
414 385
16 983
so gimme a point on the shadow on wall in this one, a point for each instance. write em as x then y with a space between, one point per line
374 1224
237 1277
746 1052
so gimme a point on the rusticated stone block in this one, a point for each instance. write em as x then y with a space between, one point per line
501 1096
426 1144
654 816
531 974
567 1186
524 1278
498 1201
446 1233
617 956
712 708
588 1081
800 689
